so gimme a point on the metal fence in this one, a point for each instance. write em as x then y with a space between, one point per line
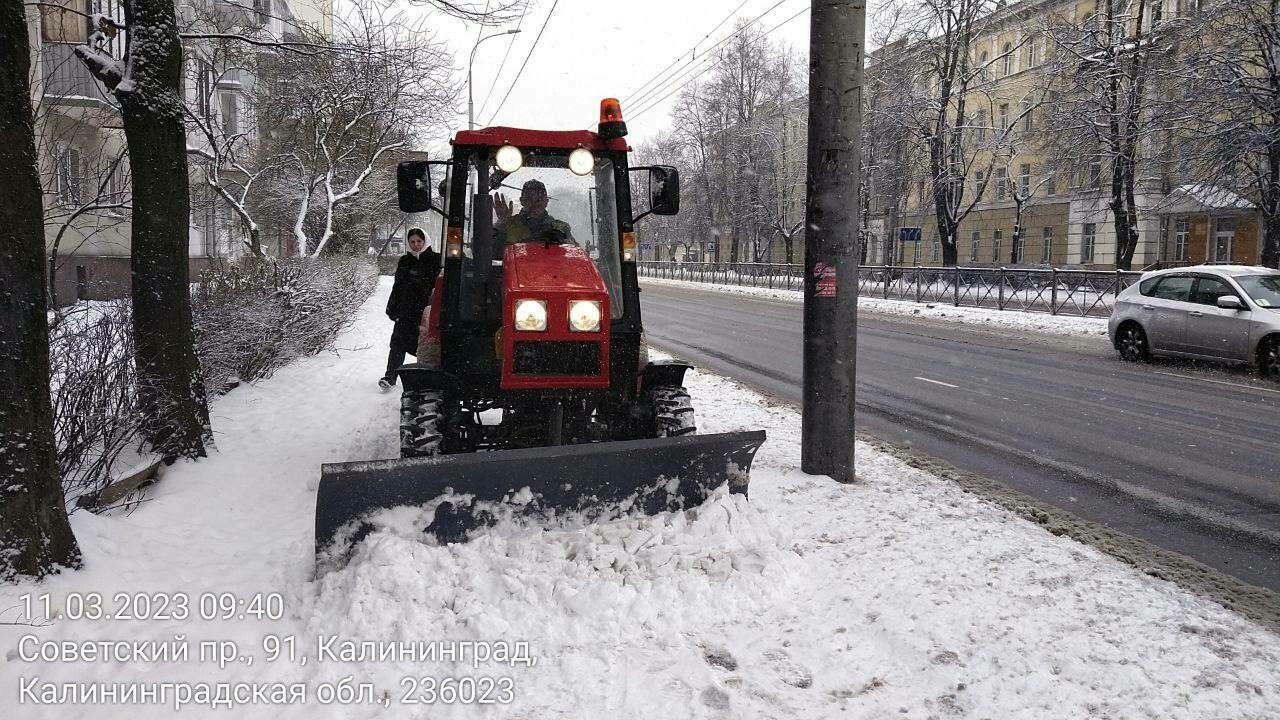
1086 293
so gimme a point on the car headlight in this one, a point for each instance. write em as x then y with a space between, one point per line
584 316
531 315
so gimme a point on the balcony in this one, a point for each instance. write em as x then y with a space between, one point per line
66 79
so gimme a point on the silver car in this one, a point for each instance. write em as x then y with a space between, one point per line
1214 312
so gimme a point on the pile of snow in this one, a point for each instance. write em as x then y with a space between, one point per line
1008 319
899 596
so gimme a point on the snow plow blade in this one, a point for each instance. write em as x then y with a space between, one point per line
599 480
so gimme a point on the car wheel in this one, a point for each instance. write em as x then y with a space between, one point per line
1269 359
1131 341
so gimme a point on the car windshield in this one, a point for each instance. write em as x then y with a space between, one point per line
1264 290
542 199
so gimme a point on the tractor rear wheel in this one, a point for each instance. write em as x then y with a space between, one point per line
420 422
673 412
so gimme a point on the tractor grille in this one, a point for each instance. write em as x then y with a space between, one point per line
556 358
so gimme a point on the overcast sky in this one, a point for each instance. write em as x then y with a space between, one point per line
592 49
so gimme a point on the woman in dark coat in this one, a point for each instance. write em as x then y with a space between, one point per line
415 277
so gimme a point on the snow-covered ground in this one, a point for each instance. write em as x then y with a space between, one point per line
900 596
1074 326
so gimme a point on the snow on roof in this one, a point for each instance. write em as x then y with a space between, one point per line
1210 197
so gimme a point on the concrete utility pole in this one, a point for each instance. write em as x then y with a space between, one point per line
831 237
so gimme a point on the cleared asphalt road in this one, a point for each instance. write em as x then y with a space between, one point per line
1189 461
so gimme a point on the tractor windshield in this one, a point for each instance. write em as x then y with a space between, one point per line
543 199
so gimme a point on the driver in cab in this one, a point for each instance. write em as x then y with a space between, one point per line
533 223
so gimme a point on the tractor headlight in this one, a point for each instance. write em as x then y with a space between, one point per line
584 316
531 315
509 159
581 162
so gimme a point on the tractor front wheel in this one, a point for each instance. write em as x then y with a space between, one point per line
673 412
420 423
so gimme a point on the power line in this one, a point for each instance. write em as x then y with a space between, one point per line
693 62
503 63
526 62
704 70
659 74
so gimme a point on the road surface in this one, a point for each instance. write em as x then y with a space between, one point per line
1186 459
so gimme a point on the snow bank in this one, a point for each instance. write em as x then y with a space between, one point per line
900 596
1008 319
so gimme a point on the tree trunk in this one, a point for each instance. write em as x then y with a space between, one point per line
1017 230
1271 209
171 394
35 536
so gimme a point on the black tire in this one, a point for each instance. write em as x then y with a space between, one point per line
673 412
1131 343
1269 359
420 423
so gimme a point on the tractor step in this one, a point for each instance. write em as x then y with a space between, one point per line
601 480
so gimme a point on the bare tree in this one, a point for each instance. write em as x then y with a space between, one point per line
946 101
35 536
338 117
1232 91
223 47
147 84
1106 61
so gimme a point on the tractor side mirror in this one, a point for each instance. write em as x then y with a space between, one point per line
664 190
413 186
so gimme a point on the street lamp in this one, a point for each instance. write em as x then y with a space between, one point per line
471 121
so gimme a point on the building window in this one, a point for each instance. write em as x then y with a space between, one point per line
1181 238
1095 172
204 90
981 124
1046 250
1088 238
937 251
1019 249
70 176
69 25
1007 61
996 238
1224 235
1004 117
1051 183
973 247
1024 180
1027 123
230 112
1002 183
1031 53
979 181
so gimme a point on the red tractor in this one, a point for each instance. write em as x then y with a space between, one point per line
541 356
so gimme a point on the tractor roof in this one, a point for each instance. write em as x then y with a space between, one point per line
520 137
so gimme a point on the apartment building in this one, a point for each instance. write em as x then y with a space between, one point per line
81 146
1066 216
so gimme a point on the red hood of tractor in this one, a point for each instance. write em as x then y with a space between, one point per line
520 137
535 267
